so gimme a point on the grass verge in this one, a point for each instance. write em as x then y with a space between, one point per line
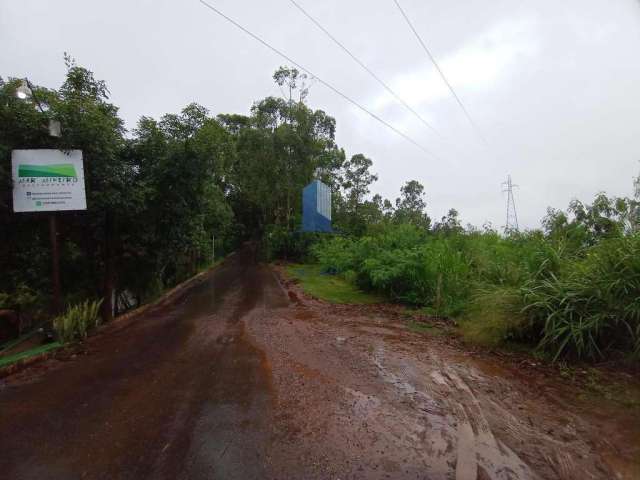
332 288
10 359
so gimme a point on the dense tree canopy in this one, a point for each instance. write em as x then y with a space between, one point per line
156 197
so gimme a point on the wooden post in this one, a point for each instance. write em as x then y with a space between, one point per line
55 265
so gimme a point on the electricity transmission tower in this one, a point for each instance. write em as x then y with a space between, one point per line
512 216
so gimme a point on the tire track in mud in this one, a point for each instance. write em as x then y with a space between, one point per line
458 429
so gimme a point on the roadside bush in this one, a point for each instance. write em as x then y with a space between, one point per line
433 274
583 303
335 254
76 322
592 307
404 264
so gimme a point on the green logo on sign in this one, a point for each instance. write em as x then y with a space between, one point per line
65 170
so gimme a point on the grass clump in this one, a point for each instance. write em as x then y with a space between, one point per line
592 306
77 321
329 287
494 317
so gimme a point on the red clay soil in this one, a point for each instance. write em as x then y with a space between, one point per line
242 377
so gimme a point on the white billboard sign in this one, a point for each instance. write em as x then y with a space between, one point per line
47 180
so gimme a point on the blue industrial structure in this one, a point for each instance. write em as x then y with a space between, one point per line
316 207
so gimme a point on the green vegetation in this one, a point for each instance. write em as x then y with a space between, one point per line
158 193
493 317
572 289
331 288
77 321
10 359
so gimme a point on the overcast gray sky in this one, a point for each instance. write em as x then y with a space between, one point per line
554 86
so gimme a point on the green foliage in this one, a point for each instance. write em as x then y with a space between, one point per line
592 307
526 287
77 321
155 198
410 207
494 316
21 297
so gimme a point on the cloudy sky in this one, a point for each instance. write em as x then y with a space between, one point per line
554 87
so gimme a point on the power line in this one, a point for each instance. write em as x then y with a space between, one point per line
326 84
367 69
442 75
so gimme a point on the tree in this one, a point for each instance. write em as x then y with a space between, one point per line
285 144
410 206
154 198
449 224
293 80
356 180
182 166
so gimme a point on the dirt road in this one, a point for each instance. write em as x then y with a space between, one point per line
243 377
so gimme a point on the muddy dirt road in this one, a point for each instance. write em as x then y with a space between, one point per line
243 377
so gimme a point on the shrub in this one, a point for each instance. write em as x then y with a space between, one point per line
433 274
403 263
76 322
593 306
335 254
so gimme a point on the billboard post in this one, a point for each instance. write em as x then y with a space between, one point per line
55 264
49 181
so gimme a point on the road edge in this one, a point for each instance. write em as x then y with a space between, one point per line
164 298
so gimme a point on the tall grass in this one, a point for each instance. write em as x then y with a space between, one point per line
593 306
77 321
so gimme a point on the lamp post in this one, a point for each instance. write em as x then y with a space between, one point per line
24 92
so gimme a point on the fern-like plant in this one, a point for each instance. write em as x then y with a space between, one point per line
77 321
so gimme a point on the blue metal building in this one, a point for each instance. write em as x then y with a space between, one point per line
316 207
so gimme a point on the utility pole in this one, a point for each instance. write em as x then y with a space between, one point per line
512 216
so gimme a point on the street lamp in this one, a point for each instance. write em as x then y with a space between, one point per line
23 92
